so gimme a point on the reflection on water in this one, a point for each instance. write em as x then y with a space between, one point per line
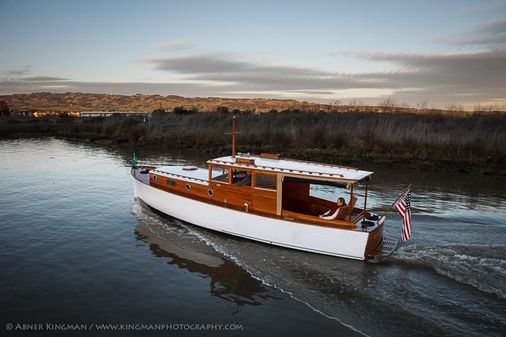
175 243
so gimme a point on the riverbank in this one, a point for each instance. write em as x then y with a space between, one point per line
473 144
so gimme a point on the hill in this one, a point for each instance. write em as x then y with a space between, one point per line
106 102
65 102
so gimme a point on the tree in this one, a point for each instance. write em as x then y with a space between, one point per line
336 102
159 110
4 108
388 103
423 105
179 110
222 109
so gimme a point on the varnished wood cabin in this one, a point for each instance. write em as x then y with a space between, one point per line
268 185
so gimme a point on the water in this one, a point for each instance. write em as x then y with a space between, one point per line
76 248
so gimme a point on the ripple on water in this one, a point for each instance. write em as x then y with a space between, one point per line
480 266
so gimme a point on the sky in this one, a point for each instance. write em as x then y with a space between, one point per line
417 53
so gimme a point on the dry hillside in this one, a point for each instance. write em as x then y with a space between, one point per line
64 102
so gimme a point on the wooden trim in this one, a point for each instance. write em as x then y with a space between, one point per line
265 189
274 156
314 220
279 193
374 241
245 161
309 177
358 216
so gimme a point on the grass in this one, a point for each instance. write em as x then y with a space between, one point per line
470 143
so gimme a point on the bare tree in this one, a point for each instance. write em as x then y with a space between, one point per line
388 103
423 105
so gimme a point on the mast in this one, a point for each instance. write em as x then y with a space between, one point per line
233 136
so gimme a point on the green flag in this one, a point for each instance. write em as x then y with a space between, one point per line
134 159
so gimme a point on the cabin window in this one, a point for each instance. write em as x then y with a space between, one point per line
241 177
326 192
171 182
220 174
267 181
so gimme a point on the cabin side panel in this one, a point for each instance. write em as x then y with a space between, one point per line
237 197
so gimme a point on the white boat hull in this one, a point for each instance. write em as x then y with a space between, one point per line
311 238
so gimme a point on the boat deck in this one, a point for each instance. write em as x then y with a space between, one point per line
185 173
141 174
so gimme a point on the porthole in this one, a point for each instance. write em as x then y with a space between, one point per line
153 178
187 187
210 192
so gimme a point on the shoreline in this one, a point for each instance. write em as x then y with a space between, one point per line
205 132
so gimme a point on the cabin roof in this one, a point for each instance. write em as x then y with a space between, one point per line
294 167
185 173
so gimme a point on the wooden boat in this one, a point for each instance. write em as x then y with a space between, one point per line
269 199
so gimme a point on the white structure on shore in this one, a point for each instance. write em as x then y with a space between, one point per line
110 113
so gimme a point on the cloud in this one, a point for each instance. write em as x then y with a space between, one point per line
174 46
42 79
435 77
491 34
248 75
486 70
12 86
18 72
494 27
198 64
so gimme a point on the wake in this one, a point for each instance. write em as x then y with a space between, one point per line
480 266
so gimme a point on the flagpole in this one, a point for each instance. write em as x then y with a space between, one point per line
398 198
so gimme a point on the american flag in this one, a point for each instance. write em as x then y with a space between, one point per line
404 209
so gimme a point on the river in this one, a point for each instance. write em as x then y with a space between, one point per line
77 248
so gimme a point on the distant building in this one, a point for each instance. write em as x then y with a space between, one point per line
22 113
39 114
110 113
